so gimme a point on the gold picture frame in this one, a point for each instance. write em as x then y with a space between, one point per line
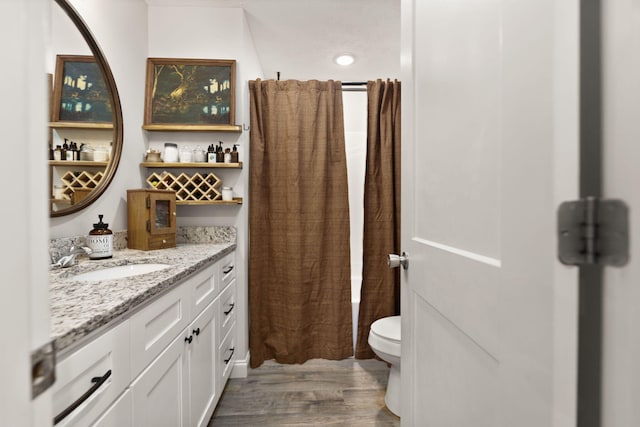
80 94
190 94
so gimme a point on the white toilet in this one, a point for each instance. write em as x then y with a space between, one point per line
384 339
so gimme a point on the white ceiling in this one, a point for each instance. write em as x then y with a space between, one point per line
300 38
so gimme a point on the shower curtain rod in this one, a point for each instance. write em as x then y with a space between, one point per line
354 86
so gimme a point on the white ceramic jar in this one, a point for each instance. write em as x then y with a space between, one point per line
170 154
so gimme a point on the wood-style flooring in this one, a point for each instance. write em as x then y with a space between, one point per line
348 392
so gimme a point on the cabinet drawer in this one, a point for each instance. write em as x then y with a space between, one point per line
102 365
162 241
155 326
226 357
227 269
204 288
227 308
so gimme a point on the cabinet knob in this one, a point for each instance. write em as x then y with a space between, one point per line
189 339
196 331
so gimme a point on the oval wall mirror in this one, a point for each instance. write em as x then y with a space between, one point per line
85 128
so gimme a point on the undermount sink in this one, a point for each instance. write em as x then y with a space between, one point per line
119 272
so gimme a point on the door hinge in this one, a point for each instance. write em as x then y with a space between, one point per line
593 231
43 369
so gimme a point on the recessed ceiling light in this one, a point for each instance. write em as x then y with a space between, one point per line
345 59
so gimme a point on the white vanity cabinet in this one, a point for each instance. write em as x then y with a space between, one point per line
176 354
183 384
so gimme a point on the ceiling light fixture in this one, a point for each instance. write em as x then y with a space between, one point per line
345 59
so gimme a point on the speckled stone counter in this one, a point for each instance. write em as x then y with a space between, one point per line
80 308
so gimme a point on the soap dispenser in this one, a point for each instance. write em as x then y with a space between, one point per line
234 154
100 240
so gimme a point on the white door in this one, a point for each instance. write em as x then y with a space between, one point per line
490 149
24 303
621 161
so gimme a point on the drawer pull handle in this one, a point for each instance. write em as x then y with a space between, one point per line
196 331
226 361
226 313
228 270
98 381
189 339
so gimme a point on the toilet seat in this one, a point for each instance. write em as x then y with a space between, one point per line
385 334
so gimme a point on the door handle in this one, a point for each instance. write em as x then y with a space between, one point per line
396 261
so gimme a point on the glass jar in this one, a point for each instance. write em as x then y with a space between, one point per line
198 155
227 194
186 155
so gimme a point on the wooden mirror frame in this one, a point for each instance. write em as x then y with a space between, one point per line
114 98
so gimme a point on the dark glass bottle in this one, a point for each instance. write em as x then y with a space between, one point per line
234 154
65 148
100 240
219 153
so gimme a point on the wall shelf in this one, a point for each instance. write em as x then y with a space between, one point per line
194 128
191 165
191 188
80 125
74 163
235 201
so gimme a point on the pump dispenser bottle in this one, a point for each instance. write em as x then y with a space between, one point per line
100 240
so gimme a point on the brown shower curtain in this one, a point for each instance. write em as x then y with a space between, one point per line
299 254
380 292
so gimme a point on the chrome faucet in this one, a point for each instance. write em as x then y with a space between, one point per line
69 259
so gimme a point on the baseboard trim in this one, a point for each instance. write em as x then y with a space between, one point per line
240 367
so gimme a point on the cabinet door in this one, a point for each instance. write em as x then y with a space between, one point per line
227 309
118 414
156 325
202 366
162 207
226 356
160 393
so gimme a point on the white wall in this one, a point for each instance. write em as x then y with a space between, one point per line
205 32
621 132
355 132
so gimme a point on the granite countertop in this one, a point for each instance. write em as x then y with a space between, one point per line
79 308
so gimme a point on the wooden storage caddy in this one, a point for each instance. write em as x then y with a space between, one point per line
151 219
